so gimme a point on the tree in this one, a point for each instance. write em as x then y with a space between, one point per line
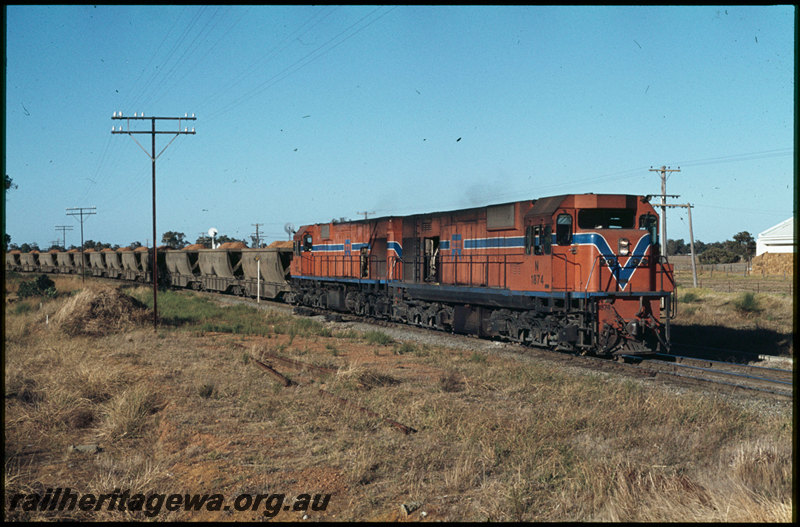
745 245
28 247
204 240
677 247
718 254
174 240
97 246
222 238
10 183
135 245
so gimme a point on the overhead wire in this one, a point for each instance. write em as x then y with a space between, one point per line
301 63
317 18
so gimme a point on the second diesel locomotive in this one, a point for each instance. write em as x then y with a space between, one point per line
578 272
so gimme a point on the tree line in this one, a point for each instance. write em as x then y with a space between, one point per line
741 248
171 239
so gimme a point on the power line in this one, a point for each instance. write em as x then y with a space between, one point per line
81 212
664 171
64 229
308 58
153 156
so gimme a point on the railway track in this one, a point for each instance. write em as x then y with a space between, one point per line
726 376
729 377
767 380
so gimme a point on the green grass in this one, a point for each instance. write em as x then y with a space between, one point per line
188 310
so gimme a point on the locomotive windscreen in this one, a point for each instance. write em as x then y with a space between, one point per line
606 218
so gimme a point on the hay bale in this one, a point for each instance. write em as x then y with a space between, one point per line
773 264
99 311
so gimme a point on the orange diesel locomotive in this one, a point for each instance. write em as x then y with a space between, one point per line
577 272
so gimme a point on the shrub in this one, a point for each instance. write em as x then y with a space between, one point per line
41 286
747 303
690 297
378 337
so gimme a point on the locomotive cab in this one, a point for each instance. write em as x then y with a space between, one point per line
615 245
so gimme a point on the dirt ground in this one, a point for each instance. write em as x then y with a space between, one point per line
189 410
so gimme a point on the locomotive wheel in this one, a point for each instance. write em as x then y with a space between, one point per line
608 340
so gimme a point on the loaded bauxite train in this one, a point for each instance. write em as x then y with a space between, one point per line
579 272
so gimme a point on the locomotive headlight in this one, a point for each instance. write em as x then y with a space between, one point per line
624 246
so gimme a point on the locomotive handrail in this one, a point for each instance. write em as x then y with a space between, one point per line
591 272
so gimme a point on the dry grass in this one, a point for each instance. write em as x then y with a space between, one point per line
100 310
497 438
747 321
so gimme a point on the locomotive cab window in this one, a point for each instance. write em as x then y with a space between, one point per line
649 222
528 239
563 229
547 239
307 245
606 218
535 239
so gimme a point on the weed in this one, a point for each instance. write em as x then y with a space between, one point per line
405 347
747 303
206 391
689 297
378 338
451 383
480 358
127 413
22 308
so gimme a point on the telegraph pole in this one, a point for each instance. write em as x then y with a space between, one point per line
81 212
365 213
664 171
691 246
63 229
258 238
688 207
153 156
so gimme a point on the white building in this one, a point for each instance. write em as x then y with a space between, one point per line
777 239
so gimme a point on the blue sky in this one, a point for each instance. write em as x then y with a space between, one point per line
308 113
